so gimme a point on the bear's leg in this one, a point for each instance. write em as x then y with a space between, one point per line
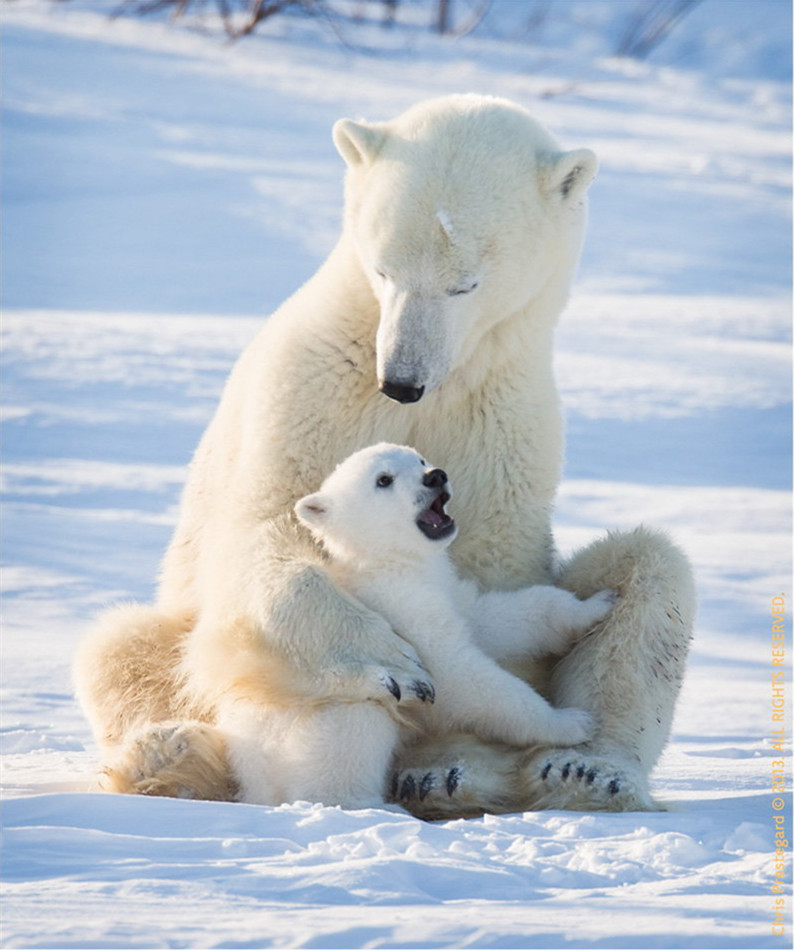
343 759
627 673
337 754
125 671
152 738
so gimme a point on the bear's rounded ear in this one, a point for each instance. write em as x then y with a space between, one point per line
570 174
357 142
312 510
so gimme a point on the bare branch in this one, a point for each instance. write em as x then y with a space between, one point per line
651 25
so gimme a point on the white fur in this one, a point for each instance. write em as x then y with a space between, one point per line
465 310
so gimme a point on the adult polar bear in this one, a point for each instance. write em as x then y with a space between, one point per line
463 227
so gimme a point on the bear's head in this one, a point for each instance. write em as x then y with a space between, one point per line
382 504
463 211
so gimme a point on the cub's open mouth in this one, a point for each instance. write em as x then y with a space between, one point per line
434 521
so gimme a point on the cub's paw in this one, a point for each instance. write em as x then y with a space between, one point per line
568 727
596 608
604 601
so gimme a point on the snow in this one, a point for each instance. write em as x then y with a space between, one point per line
157 185
276 877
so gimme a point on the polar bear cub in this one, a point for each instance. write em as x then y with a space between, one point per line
381 518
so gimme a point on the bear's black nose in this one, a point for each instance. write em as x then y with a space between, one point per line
402 392
434 478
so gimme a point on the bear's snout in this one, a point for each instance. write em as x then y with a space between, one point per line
434 478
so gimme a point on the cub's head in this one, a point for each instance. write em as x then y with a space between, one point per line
384 503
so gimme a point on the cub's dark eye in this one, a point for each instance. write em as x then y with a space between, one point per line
384 481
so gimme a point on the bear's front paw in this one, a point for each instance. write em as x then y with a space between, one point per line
428 793
568 727
409 784
407 689
381 665
387 683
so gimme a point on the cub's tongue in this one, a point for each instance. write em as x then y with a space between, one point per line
434 521
433 518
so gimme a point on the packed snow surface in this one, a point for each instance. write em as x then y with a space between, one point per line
163 191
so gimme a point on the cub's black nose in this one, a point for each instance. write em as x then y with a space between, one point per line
434 478
402 392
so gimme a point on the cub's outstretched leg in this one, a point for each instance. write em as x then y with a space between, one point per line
627 673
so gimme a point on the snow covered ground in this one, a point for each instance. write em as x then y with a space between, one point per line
162 192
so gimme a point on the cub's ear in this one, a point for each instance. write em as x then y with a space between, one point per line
357 142
312 510
569 174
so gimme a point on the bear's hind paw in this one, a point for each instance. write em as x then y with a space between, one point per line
179 759
580 780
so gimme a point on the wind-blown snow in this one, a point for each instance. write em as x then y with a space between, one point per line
163 192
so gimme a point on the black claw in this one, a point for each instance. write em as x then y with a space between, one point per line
395 783
545 771
425 786
394 688
424 690
591 776
566 770
408 788
614 787
580 772
453 779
